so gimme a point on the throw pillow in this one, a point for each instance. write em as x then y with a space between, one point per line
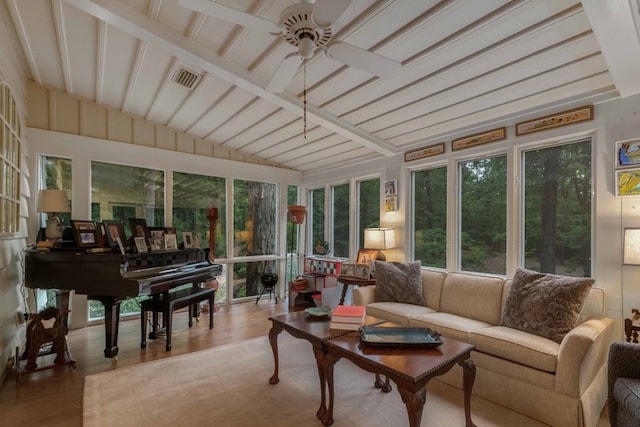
545 304
398 282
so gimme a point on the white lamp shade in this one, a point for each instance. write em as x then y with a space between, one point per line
53 201
631 254
379 238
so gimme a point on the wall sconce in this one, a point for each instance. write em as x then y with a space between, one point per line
53 202
379 238
631 255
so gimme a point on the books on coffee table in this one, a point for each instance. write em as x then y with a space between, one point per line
349 317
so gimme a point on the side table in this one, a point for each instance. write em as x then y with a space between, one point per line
352 281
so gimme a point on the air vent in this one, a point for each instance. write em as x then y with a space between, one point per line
186 78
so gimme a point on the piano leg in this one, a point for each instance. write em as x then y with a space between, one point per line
111 324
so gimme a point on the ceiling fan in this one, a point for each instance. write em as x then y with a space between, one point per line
307 25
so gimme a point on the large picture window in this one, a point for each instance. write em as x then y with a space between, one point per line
340 220
368 207
430 217
557 209
317 215
483 214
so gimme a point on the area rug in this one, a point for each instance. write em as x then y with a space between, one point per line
229 386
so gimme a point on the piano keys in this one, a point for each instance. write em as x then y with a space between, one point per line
112 278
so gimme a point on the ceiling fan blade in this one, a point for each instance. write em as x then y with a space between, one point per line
218 11
285 72
362 59
326 12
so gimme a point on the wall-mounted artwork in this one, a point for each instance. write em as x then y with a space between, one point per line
421 153
391 187
628 153
564 118
391 203
479 138
628 182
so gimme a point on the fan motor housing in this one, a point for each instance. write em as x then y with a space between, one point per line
297 24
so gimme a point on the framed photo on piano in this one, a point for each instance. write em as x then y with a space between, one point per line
85 233
114 229
139 228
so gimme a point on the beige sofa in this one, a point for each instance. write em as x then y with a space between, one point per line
559 384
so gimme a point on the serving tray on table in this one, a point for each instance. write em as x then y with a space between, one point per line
400 336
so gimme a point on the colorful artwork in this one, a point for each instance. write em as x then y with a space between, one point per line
628 182
628 153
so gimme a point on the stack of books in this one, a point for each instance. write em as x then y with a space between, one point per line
349 317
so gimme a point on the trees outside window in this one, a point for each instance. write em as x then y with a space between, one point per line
430 217
340 220
557 209
254 232
317 215
483 214
368 207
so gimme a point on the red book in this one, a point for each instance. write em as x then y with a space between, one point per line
349 314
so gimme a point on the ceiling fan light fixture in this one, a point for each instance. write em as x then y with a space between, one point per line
305 49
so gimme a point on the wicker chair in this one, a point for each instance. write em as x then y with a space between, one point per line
624 384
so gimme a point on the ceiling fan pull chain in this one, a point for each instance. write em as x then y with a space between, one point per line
304 97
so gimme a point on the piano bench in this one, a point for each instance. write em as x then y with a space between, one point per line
168 302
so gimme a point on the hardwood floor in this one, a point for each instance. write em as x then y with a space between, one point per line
54 397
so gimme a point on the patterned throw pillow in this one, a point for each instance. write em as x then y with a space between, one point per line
547 305
398 282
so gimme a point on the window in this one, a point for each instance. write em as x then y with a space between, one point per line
557 209
483 212
317 215
123 192
193 195
56 175
340 220
10 142
293 231
368 207
254 231
430 217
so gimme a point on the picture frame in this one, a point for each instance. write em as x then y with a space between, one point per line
347 269
391 203
141 244
187 239
551 121
156 238
628 153
139 228
421 153
114 229
85 233
170 241
391 187
479 139
361 271
365 256
120 245
628 182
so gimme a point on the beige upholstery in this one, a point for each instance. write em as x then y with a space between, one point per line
559 384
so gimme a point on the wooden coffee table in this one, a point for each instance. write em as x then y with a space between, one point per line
315 330
410 368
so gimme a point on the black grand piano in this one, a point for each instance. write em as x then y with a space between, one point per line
111 278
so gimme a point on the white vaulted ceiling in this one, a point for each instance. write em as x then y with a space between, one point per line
466 65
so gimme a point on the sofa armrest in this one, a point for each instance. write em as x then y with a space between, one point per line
583 352
624 361
363 295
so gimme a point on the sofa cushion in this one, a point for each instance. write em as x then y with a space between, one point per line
449 325
396 312
517 346
399 282
626 391
473 296
544 304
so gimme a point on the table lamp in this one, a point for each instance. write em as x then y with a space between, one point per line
379 238
53 202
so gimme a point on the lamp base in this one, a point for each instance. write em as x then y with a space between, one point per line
380 256
54 228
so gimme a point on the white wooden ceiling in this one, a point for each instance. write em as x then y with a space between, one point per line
466 65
